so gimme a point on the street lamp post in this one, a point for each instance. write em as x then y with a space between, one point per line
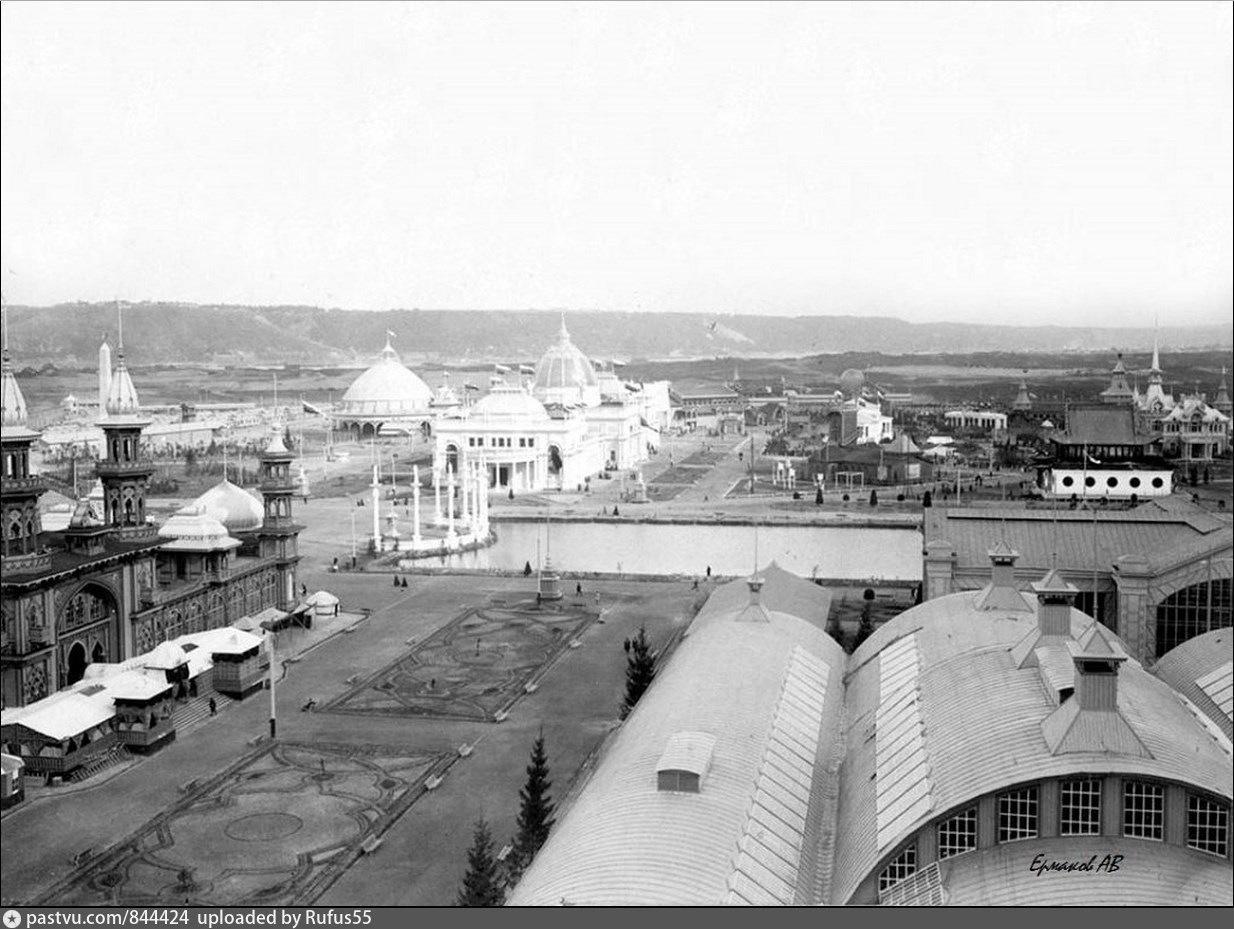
273 712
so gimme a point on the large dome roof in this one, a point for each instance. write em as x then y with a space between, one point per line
191 529
388 388
236 508
510 404
564 366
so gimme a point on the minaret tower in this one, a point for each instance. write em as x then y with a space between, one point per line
278 536
124 471
1222 401
1022 402
1155 396
104 374
20 490
1119 390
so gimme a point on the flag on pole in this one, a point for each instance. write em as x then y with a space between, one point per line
501 369
526 369
390 334
310 408
470 386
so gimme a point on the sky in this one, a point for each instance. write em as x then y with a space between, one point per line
992 162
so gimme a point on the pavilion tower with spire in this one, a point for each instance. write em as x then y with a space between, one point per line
20 489
124 470
1023 402
1119 390
278 536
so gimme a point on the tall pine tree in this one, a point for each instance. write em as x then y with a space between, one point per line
640 670
535 815
480 884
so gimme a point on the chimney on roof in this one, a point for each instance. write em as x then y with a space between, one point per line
1002 593
1096 671
755 583
1055 597
1092 721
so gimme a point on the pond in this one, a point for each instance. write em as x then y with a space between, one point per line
834 552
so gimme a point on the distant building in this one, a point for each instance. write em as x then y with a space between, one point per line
112 584
1191 430
1105 453
1160 572
967 739
388 395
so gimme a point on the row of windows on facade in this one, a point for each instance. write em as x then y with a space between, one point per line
1079 814
1113 482
501 442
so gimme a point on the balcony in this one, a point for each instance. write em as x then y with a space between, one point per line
22 486
110 468
31 563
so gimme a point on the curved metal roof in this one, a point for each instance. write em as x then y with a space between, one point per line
388 388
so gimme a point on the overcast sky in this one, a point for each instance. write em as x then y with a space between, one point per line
1038 162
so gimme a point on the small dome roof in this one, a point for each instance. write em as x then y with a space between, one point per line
564 366
192 529
234 507
166 655
510 403
851 381
388 388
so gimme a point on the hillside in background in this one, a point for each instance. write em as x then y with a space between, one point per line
68 335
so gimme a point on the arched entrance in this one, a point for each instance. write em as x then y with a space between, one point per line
452 458
555 466
77 663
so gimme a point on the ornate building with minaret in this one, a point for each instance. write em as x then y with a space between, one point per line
113 585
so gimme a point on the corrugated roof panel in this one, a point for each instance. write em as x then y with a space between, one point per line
1219 685
789 747
895 821
792 799
786 814
789 765
782 861
901 773
751 891
779 889
805 743
762 818
787 851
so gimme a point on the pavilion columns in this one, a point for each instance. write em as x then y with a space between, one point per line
415 504
465 491
450 532
376 512
437 495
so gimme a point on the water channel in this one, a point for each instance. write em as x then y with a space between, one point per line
833 552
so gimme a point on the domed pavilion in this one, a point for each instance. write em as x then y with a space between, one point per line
389 396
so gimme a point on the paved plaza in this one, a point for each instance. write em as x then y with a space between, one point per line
273 829
225 816
474 667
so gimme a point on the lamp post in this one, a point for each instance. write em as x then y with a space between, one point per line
273 711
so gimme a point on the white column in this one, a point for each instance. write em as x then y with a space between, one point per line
376 511
464 480
436 495
450 533
415 504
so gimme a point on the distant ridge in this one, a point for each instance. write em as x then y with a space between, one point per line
68 335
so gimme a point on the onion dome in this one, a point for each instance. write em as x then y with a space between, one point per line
236 508
14 403
565 375
191 529
388 388
510 404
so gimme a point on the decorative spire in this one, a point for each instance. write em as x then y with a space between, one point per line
563 334
1156 366
121 394
14 404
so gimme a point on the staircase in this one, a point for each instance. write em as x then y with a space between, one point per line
192 714
113 756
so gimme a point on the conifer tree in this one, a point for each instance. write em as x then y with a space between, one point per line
640 670
535 815
480 884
